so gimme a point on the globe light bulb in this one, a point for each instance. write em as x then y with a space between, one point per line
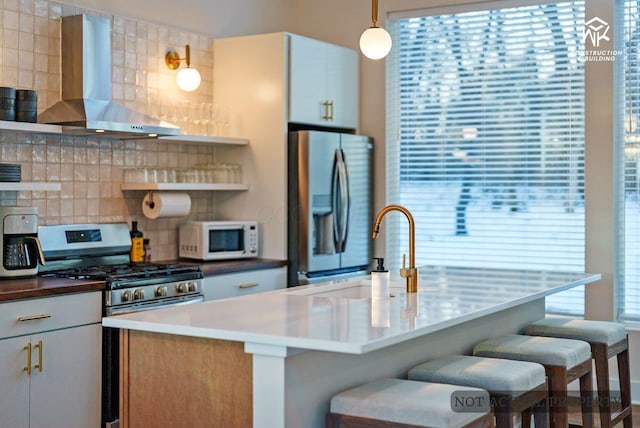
188 79
375 43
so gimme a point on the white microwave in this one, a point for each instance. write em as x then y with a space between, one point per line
218 240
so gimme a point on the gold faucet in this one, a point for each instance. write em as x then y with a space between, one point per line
410 273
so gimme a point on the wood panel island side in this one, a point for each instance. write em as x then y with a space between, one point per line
275 359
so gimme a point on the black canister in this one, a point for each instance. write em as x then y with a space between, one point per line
26 105
7 103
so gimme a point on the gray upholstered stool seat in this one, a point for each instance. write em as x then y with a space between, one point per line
407 403
607 340
543 350
501 378
493 374
564 360
569 328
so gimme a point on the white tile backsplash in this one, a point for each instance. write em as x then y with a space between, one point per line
90 170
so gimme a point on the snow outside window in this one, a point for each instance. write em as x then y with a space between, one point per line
485 139
628 278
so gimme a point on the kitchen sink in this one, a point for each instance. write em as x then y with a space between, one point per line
349 289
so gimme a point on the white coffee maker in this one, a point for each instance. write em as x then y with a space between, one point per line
21 251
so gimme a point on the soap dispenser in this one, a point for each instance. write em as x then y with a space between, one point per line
379 280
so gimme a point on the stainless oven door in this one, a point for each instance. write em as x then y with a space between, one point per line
155 304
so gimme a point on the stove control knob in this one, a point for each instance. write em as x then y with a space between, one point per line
193 286
182 287
125 296
161 291
138 295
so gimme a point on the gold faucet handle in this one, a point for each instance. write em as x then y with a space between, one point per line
408 272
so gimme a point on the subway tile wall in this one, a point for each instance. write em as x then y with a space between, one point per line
90 170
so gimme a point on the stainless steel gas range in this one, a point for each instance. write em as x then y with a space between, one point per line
101 252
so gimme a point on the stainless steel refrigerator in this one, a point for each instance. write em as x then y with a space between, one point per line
330 205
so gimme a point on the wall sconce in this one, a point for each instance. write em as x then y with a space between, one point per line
188 78
375 42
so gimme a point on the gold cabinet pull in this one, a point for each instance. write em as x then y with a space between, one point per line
326 110
34 317
248 285
27 368
40 351
330 103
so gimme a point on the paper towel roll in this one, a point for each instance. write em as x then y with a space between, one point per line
166 204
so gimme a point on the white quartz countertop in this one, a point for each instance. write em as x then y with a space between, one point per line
340 316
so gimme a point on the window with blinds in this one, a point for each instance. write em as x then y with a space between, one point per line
485 139
628 111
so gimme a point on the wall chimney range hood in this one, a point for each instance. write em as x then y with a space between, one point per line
86 107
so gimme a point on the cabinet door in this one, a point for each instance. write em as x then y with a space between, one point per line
323 83
307 89
14 383
342 88
67 392
240 284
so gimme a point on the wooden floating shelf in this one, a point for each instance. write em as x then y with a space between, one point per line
26 185
183 186
39 128
201 139
42 128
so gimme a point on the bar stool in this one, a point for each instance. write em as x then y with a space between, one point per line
514 386
564 361
607 339
404 404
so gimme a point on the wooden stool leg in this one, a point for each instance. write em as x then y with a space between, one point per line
586 399
526 419
558 415
502 410
541 414
625 386
332 421
504 420
599 353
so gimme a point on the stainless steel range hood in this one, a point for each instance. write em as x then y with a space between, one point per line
86 106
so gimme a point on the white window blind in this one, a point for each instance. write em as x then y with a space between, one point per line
485 139
628 283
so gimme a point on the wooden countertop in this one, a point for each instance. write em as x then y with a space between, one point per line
232 266
27 288
39 286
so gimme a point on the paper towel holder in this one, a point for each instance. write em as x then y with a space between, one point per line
149 201
166 204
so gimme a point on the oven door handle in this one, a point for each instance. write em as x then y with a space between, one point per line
127 309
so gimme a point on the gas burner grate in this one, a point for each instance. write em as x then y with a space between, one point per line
131 274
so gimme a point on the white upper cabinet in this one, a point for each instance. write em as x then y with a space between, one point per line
323 84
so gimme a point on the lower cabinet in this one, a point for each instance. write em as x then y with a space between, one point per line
241 284
51 379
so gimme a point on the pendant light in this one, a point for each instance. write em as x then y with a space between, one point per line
375 42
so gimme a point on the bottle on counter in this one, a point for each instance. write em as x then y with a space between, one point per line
137 244
379 281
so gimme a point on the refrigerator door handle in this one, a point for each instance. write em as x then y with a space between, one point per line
345 201
336 208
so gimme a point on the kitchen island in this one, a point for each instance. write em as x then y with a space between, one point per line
275 359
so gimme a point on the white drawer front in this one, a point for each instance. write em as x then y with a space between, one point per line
30 316
240 284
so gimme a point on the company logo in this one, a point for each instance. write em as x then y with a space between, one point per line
596 30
